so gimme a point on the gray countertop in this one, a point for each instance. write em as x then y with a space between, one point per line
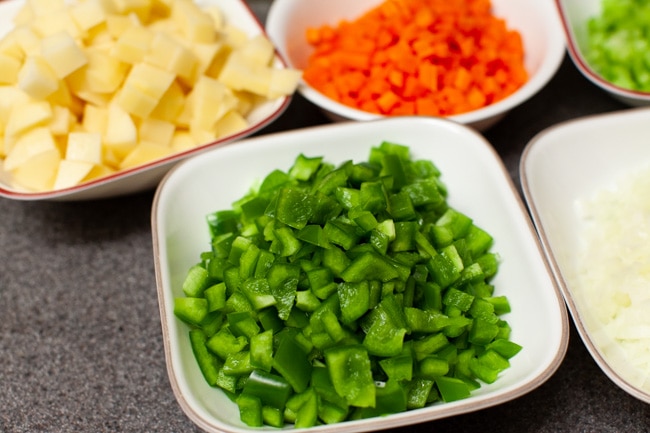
80 338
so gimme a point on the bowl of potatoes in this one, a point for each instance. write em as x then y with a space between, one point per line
99 99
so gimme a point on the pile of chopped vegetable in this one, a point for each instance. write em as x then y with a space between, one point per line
427 57
334 293
618 43
612 283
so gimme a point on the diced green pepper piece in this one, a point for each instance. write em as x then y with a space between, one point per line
216 296
191 310
208 363
271 389
350 370
292 363
451 388
354 299
223 343
305 167
250 410
261 349
418 393
196 281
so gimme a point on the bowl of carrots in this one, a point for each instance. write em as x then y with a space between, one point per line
469 61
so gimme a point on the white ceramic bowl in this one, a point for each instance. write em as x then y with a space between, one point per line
575 14
566 164
537 21
147 176
478 184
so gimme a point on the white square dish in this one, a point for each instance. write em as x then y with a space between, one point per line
478 185
561 168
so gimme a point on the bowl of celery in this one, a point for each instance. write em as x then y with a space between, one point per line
605 40
351 277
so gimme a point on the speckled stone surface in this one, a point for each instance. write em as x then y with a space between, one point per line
80 337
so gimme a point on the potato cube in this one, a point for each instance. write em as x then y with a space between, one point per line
141 8
194 23
9 67
94 118
99 171
71 173
104 73
27 40
121 134
182 140
258 50
63 54
88 14
118 24
24 15
133 44
170 55
56 22
28 115
28 145
210 100
62 121
171 104
231 123
206 55
143 153
143 88
283 82
156 131
10 96
44 7
240 74
36 78
84 146
38 173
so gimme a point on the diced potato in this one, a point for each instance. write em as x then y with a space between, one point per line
143 88
36 78
133 44
27 40
171 104
88 14
170 55
62 54
56 22
70 173
283 82
141 8
182 140
194 23
9 68
156 131
30 144
94 118
145 152
62 121
84 146
258 50
121 134
38 173
231 123
211 99
240 74
88 87
26 116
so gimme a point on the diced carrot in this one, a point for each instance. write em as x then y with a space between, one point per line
428 57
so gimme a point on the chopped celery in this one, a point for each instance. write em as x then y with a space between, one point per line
617 46
335 293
